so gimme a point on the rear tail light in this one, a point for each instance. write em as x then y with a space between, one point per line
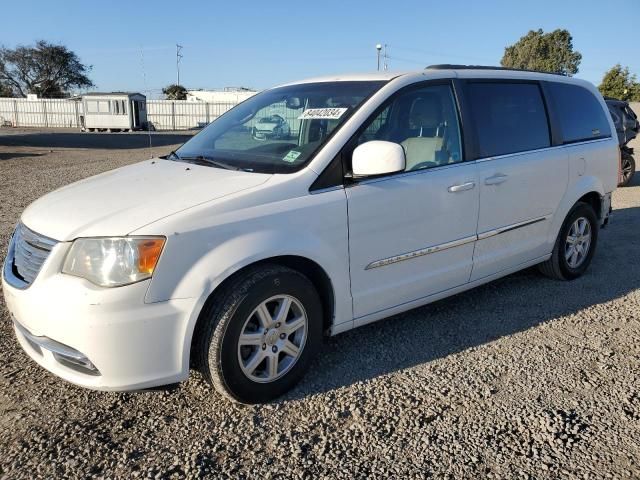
619 166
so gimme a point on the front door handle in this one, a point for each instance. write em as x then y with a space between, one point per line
496 179
462 187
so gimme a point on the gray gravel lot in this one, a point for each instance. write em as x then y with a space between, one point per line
522 378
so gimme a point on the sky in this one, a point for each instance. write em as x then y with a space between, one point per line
132 45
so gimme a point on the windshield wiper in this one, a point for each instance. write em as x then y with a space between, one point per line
202 160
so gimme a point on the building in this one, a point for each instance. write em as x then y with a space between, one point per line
228 95
115 111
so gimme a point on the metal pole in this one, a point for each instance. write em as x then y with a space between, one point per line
378 48
44 113
178 57
385 58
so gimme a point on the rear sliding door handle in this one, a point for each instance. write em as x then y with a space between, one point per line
462 187
496 179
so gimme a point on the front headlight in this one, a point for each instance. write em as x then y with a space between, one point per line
113 262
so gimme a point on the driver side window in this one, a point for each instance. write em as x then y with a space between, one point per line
425 122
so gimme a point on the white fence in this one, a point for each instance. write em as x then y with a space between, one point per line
21 112
162 114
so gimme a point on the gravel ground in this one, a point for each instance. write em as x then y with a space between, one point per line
522 378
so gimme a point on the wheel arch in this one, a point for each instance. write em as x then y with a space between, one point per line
594 199
589 190
311 269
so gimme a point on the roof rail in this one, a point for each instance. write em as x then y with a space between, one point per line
451 66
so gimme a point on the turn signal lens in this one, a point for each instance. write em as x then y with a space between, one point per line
148 254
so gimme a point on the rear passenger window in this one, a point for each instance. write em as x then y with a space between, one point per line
509 117
580 114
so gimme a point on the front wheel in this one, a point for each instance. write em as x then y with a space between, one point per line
258 334
575 245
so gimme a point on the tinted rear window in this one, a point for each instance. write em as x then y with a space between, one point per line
580 114
509 117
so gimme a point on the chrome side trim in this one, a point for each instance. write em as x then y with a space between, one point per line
508 228
455 243
421 252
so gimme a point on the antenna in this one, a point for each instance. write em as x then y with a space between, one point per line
178 58
378 48
146 91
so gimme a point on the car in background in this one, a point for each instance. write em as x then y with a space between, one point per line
271 127
627 128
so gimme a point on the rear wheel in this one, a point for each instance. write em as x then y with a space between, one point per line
627 169
575 245
258 334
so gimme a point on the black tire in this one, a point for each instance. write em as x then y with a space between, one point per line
628 168
557 266
221 323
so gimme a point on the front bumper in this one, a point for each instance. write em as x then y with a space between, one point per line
100 338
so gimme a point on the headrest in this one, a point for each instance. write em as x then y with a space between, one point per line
426 112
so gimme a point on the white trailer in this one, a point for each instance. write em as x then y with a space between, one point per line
113 112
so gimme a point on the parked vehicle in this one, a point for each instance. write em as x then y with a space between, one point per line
235 255
627 128
271 127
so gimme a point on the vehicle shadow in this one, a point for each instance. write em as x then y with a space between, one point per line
12 155
131 140
635 181
513 304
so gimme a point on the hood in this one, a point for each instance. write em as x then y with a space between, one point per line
266 126
118 202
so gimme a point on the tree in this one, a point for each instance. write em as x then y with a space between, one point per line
45 69
5 90
545 52
619 83
175 92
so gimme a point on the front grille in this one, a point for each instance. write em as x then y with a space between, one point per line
30 250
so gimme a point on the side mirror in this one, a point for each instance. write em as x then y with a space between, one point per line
377 158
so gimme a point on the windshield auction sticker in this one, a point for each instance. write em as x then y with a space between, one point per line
322 114
291 156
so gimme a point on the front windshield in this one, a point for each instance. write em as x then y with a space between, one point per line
278 130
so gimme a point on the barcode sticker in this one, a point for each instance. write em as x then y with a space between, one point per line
322 114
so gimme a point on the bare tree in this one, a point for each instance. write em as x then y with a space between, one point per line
45 69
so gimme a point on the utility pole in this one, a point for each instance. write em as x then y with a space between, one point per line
178 58
378 48
386 66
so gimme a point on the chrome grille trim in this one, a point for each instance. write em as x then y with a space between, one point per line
27 253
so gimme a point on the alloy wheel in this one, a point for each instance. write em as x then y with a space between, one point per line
578 242
272 338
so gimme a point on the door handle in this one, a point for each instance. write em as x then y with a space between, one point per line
496 179
461 187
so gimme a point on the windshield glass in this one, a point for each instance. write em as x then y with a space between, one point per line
278 130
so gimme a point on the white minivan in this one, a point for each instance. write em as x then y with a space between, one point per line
235 255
